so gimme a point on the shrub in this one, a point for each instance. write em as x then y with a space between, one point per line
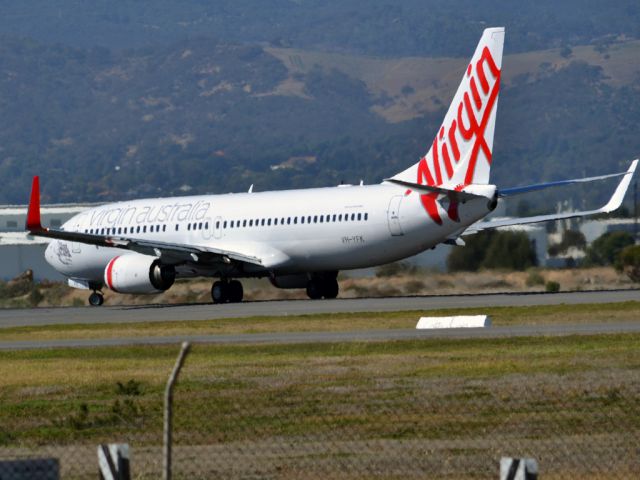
534 279
552 287
628 261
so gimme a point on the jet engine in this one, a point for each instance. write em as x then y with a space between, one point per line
136 273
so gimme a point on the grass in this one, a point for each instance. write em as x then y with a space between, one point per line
534 315
393 409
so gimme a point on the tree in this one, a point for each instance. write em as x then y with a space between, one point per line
628 261
494 249
605 248
570 238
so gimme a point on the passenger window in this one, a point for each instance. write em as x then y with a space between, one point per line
275 221
315 219
244 223
295 220
188 226
224 224
218 224
340 217
144 229
200 226
366 216
301 219
269 222
309 219
251 223
353 217
334 217
164 227
289 221
359 216
177 227
321 218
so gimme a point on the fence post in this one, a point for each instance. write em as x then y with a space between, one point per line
113 461
168 411
518 469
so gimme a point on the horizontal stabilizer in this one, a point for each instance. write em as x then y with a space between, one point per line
506 192
614 203
454 195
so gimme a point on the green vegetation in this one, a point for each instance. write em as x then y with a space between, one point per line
629 261
570 238
493 249
605 249
552 286
376 27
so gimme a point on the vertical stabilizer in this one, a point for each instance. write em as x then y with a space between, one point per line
461 151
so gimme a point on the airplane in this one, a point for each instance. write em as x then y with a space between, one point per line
303 238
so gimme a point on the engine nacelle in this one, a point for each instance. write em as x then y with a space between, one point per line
136 273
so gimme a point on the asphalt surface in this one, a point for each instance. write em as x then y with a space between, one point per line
335 337
38 317
165 313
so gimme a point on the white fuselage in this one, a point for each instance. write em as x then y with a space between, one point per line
294 231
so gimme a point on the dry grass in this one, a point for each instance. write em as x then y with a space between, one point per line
434 79
421 282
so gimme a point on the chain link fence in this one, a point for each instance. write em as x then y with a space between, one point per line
396 410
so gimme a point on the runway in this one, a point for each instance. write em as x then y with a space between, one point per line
163 313
336 337
166 313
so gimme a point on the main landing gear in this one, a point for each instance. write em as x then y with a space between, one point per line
96 299
322 287
224 291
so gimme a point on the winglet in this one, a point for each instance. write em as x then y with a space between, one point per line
618 195
33 214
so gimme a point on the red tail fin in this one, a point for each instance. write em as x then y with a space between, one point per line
33 214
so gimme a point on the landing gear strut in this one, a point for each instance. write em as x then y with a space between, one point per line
224 291
322 287
96 299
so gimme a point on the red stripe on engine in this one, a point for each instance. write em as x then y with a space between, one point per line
109 276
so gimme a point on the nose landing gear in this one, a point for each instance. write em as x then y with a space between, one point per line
225 291
96 299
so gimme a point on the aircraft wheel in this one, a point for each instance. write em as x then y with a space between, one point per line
96 299
314 289
235 291
220 292
330 288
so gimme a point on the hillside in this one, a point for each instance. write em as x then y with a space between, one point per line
373 27
207 116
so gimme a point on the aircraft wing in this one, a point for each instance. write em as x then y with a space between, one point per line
170 252
614 203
